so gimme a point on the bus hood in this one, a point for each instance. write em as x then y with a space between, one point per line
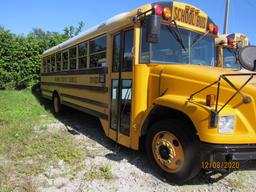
184 80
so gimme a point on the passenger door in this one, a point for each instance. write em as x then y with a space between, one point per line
121 87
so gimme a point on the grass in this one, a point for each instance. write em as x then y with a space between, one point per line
25 152
99 172
19 112
56 147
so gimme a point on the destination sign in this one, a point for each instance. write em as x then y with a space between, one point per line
188 16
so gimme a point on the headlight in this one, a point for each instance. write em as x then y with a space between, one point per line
226 124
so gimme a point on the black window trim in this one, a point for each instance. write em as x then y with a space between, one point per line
53 55
87 56
64 51
75 58
95 53
121 33
59 52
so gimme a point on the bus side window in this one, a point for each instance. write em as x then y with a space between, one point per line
58 61
98 52
82 55
65 60
44 65
126 98
53 63
128 46
116 53
72 58
48 64
114 104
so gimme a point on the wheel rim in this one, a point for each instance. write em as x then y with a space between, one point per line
168 151
56 104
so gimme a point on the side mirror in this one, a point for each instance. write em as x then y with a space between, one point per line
247 57
153 25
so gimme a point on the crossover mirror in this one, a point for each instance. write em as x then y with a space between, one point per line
247 57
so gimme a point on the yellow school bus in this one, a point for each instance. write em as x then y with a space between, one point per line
227 46
149 74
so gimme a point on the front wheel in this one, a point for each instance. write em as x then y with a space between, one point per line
172 151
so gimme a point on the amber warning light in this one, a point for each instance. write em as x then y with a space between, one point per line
213 28
210 100
167 14
159 11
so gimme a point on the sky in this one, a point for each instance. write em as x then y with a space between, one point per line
21 16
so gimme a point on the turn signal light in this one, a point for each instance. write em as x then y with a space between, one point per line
211 27
158 10
167 13
210 100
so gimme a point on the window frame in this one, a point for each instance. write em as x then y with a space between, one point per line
48 64
83 56
150 48
75 58
59 52
113 51
44 66
98 52
53 56
64 51
122 49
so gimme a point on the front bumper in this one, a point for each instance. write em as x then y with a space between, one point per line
227 153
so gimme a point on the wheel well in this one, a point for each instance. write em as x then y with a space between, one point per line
161 113
55 93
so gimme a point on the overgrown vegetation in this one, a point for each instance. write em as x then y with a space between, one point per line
27 148
20 56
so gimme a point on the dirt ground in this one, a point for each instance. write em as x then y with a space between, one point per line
111 167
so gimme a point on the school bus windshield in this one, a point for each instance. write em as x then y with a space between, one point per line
199 48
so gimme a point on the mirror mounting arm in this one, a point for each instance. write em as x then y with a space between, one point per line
140 15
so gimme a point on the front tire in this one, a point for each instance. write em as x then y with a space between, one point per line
172 151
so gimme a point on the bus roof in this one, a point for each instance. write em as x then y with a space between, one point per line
85 33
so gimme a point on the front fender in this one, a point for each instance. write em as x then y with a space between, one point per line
198 114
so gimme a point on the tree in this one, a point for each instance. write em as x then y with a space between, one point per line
20 56
72 31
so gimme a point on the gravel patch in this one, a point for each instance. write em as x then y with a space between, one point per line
111 167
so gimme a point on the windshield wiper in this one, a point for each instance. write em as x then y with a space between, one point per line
199 38
177 35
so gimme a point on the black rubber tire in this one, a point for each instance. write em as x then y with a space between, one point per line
190 147
56 96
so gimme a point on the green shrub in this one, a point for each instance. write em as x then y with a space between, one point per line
20 56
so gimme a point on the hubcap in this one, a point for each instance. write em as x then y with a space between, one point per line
167 151
164 152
